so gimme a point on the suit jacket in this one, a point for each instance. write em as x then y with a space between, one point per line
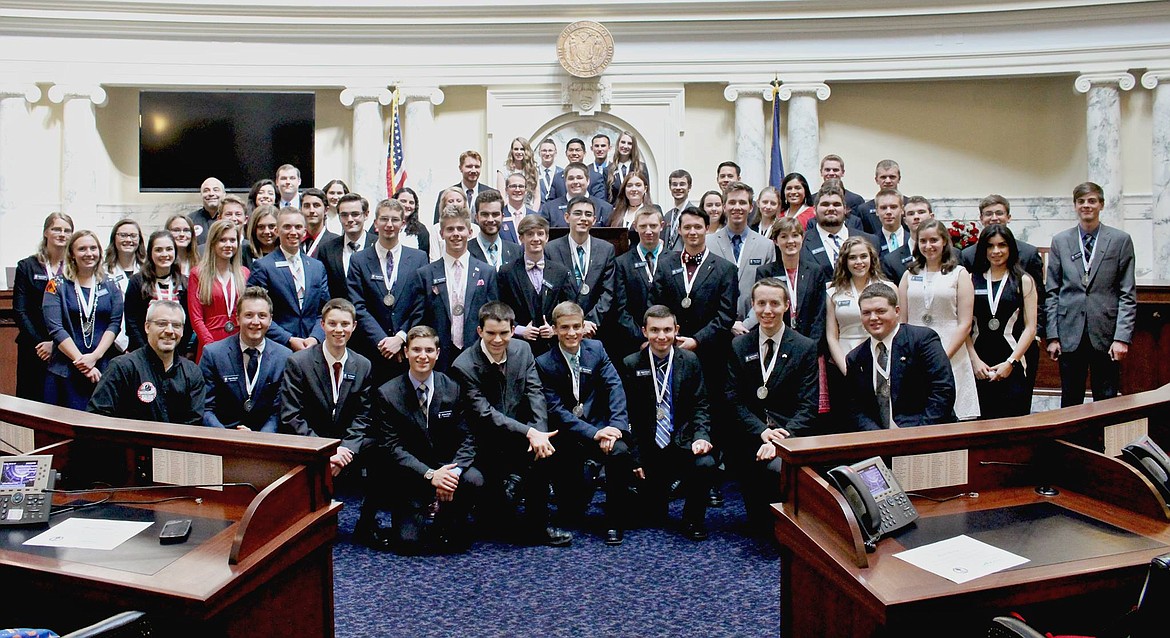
223 377
509 251
556 188
922 386
615 181
690 411
289 318
670 235
1106 309
508 226
429 303
554 210
1033 264
713 297
815 250
598 302
853 222
793 388
326 236
811 279
366 288
479 188
306 398
895 264
597 185
499 404
601 392
531 305
633 284
866 213
755 252
419 441
28 296
331 253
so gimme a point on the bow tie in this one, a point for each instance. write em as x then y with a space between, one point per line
687 258
529 264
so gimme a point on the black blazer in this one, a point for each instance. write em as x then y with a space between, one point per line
598 302
509 251
530 305
810 291
330 254
326 236
688 398
633 284
366 288
422 442
134 311
601 393
498 404
896 264
222 364
815 250
429 303
793 388
713 298
1033 264
28 295
554 210
922 386
306 398
866 212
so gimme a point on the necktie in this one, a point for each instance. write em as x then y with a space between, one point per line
353 246
1089 241
422 397
893 241
575 366
471 198
652 262
836 245
882 389
298 273
547 182
691 262
769 352
336 379
494 255
457 300
253 362
579 267
389 267
663 426
624 170
736 245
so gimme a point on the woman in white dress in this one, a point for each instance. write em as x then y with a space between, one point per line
857 267
938 294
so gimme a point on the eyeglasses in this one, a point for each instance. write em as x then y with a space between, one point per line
349 214
126 235
173 325
517 186
580 213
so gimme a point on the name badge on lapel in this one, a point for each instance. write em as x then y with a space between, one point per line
917 278
231 378
440 280
676 271
349 376
981 291
546 284
445 414
755 262
376 278
751 357
1075 256
281 264
641 373
586 370
817 251
103 291
40 277
907 259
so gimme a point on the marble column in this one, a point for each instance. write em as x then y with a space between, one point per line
367 161
1104 137
418 132
804 136
1159 82
14 236
80 146
750 151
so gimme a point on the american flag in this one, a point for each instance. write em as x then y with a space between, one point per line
395 163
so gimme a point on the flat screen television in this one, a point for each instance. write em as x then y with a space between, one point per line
186 137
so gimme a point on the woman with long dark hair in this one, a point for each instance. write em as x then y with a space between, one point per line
186 250
159 280
263 193
712 203
334 190
34 345
797 199
414 233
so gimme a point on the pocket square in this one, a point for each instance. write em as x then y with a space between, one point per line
479 282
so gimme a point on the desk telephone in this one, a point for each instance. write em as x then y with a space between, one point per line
1149 459
23 481
876 498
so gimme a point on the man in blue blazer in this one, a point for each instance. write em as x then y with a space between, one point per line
448 293
490 245
589 260
914 386
823 240
336 253
242 373
599 167
296 283
587 404
378 285
577 184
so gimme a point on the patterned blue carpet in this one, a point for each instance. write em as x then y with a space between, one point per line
655 584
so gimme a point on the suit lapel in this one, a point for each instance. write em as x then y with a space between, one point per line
783 353
897 365
1104 238
324 378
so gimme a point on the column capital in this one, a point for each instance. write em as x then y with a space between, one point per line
1124 81
735 91
30 92
59 93
819 89
353 94
1151 78
433 94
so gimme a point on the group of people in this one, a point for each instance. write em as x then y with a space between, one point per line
472 364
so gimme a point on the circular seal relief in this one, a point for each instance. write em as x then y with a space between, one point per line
147 392
585 49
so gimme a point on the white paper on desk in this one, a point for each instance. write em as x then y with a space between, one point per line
961 558
88 533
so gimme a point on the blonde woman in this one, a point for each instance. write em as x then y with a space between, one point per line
215 285
520 160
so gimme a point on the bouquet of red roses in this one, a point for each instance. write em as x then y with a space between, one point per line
963 234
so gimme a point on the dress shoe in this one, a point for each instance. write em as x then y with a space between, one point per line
715 497
696 531
512 491
553 537
614 537
372 536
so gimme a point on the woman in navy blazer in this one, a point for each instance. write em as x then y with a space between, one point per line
34 346
83 336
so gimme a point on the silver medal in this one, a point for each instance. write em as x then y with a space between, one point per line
686 302
1085 279
229 326
584 289
458 310
661 412
579 410
388 300
762 392
247 405
928 319
993 324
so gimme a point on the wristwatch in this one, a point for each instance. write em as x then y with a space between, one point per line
429 475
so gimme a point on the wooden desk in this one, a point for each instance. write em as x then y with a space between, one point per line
831 587
268 573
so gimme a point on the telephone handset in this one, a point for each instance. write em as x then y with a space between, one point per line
23 481
876 498
1150 460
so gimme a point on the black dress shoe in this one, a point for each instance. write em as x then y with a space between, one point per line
554 537
614 537
715 497
696 531
373 536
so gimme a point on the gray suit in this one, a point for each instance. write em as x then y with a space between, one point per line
756 252
1103 312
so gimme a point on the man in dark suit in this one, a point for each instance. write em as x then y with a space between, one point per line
589 260
995 209
833 168
587 404
670 422
532 286
470 165
296 283
900 376
418 419
634 273
916 210
599 167
726 174
550 176
772 382
1092 300
807 314
378 285
823 241
489 245
242 373
680 189
508 416
577 184
313 207
288 187
890 230
336 253
516 205
887 175
449 291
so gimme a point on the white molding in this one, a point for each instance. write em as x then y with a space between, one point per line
59 93
30 92
352 95
433 94
1123 81
1150 79
733 91
819 89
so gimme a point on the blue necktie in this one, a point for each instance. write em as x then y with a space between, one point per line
663 427
578 267
736 245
